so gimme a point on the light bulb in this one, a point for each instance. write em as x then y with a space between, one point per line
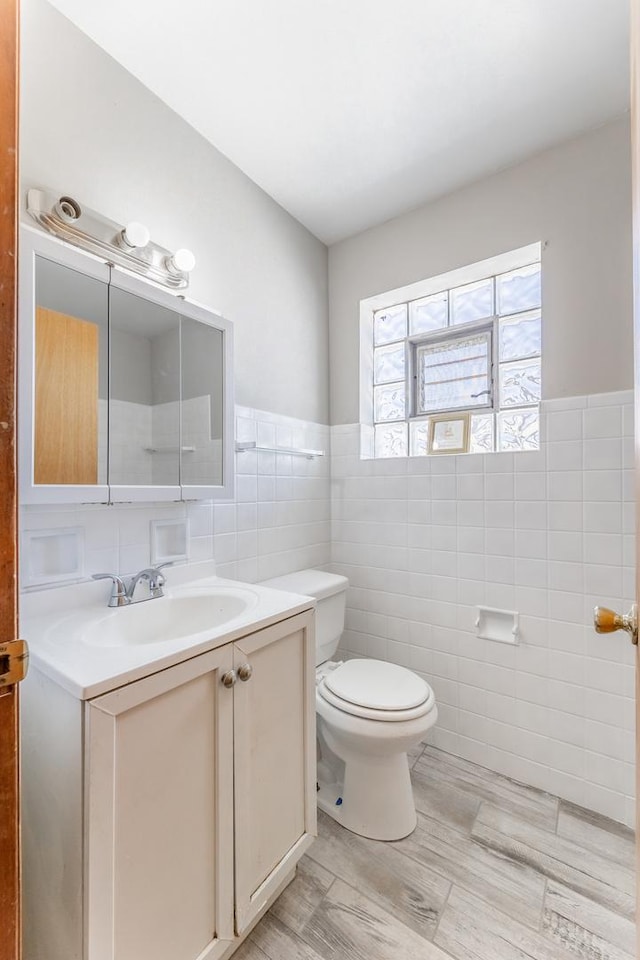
182 261
134 236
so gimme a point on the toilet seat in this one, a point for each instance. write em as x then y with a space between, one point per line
376 690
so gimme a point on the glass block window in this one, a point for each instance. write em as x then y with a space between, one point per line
472 348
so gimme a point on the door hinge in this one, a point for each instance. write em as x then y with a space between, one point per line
14 660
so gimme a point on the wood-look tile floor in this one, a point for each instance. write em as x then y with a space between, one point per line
494 871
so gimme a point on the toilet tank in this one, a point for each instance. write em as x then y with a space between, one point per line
330 591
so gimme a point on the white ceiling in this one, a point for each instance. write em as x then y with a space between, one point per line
349 112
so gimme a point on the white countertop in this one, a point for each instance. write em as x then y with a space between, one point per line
55 623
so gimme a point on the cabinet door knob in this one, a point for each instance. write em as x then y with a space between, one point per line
228 678
245 671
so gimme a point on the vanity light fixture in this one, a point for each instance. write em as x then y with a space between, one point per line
180 262
135 236
68 209
127 246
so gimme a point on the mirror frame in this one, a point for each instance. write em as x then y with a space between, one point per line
34 243
226 489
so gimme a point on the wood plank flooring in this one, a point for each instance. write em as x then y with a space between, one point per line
495 870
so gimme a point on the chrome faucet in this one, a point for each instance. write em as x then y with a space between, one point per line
124 589
155 580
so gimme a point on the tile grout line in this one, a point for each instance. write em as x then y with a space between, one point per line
317 906
542 908
441 914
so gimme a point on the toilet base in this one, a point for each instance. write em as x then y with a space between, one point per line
376 799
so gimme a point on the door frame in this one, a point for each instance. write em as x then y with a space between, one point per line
9 793
635 181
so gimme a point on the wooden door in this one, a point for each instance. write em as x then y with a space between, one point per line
9 807
635 173
66 399
159 854
274 761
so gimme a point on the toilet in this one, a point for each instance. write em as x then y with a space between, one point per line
369 714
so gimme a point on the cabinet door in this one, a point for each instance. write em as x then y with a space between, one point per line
144 392
274 761
159 831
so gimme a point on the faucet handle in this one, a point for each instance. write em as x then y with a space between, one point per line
156 578
119 597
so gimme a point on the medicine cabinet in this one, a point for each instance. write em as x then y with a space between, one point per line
125 390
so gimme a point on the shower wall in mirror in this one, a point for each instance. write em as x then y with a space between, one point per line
144 429
202 353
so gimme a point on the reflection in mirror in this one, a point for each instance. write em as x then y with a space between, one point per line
144 412
70 390
202 403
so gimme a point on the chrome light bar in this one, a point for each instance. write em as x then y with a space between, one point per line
129 246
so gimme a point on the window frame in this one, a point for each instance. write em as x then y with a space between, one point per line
491 268
462 331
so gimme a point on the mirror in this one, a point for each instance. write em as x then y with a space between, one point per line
125 390
202 402
144 411
70 376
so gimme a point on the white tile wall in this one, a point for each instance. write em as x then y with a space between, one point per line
131 434
206 458
424 541
550 534
279 521
281 518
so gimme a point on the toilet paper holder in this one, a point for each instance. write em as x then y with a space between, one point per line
500 625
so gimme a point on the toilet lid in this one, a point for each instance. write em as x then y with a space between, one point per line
377 685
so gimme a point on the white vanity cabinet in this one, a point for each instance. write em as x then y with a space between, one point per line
197 800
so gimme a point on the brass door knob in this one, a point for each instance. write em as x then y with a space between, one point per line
228 678
607 621
245 671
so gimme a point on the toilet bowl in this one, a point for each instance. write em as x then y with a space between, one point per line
369 713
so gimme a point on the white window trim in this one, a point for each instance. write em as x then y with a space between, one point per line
502 263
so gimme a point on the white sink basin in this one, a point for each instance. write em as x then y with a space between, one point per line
169 618
89 648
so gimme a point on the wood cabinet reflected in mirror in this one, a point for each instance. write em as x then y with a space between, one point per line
66 440
70 389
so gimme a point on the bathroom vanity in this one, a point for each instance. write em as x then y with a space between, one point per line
169 786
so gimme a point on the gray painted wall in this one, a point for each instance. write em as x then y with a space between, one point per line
90 129
577 197
130 367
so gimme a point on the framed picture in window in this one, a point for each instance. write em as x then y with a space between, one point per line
449 433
